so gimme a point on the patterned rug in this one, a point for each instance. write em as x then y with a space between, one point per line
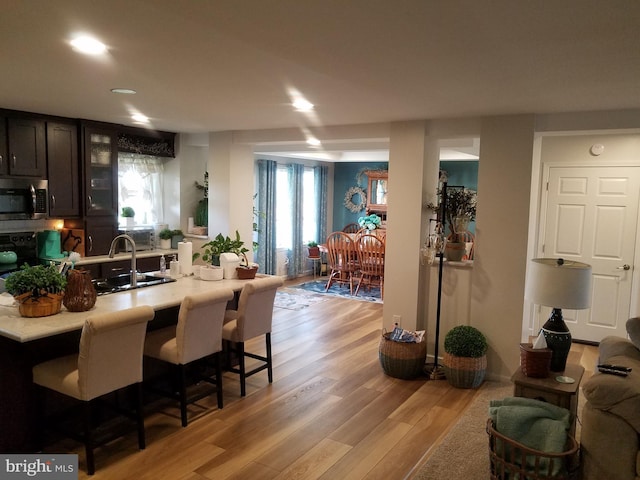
296 299
364 295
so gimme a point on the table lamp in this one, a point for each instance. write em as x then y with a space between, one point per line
558 284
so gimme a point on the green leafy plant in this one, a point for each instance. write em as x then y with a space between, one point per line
165 234
312 244
465 341
176 233
128 212
212 250
39 280
461 203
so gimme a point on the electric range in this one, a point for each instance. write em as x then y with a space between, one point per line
24 245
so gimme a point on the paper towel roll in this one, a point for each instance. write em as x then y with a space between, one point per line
184 257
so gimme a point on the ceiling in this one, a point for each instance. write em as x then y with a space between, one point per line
216 65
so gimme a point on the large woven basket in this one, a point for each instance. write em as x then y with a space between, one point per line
401 359
464 372
42 306
535 363
510 459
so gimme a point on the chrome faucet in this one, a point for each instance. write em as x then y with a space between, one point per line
134 271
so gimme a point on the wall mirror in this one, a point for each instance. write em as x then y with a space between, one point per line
377 192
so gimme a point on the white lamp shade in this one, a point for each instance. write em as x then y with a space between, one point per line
555 284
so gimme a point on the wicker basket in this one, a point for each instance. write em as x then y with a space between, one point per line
510 459
401 359
80 294
246 273
42 306
464 372
535 363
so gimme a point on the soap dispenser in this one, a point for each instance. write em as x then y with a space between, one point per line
174 268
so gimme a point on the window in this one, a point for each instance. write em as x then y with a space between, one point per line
285 199
140 186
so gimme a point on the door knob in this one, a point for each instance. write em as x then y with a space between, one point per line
624 267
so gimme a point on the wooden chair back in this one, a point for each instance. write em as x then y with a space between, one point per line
341 253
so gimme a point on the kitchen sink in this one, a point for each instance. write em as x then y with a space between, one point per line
122 283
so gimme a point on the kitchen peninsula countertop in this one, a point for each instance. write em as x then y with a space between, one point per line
24 329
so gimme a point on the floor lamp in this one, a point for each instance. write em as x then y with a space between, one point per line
558 284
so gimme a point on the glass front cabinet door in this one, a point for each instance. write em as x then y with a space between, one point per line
101 182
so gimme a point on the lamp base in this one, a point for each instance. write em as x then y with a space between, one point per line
558 338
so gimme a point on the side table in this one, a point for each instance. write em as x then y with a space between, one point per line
550 390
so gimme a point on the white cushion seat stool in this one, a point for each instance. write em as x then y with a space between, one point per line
197 335
109 359
252 319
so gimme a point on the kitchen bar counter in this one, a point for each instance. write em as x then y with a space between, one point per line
23 329
25 342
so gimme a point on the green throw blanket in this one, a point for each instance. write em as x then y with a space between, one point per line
536 424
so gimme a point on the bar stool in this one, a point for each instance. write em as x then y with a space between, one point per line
252 319
110 359
197 335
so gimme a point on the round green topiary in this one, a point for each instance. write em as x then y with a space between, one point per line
465 341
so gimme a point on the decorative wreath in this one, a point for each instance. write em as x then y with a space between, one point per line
348 199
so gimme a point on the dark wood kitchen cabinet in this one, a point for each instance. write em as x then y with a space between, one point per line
99 232
26 147
4 157
100 172
63 169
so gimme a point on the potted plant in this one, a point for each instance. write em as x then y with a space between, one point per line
176 237
38 289
314 249
128 213
460 210
465 357
219 245
165 238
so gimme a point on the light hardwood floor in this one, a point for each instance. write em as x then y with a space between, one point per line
331 413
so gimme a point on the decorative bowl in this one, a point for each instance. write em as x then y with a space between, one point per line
8 257
211 272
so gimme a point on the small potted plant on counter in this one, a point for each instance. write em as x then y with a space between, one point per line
128 213
38 289
176 237
165 238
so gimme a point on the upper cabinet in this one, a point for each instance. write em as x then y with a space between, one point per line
377 192
4 157
101 171
63 169
26 147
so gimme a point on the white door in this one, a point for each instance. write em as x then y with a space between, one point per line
591 217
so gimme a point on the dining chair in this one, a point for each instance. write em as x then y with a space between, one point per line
109 359
252 319
351 228
197 335
370 249
342 258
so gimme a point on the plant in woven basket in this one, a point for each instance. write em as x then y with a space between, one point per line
465 359
38 289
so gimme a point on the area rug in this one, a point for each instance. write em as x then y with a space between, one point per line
296 299
464 452
371 294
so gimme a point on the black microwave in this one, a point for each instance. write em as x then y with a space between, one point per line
23 198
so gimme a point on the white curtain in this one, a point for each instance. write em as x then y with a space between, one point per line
140 186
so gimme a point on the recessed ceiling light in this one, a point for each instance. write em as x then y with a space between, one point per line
88 45
314 142
303 105
138 117
124 91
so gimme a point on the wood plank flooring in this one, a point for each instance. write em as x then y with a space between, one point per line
331 413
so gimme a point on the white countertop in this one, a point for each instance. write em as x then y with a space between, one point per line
24 329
